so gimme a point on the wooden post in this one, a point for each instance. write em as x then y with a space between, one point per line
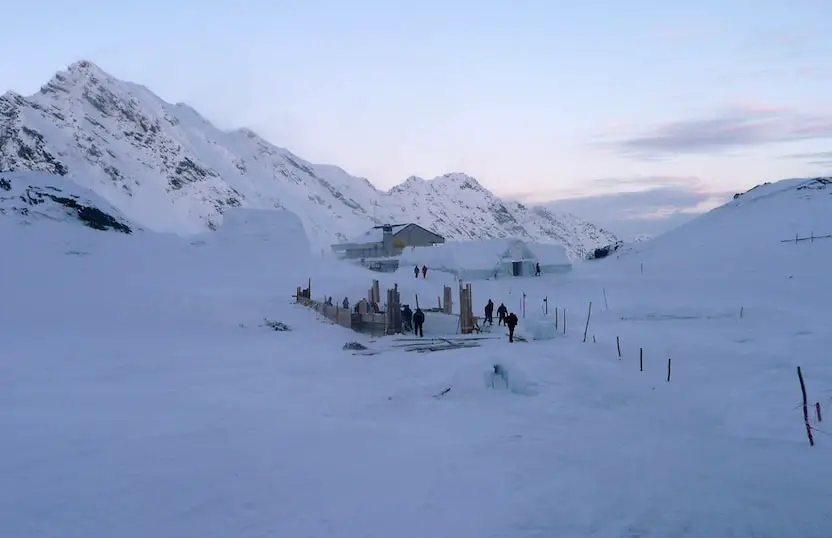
640 359
606 305
564 321
546 307
438 303
417 300
593 338
668 369
448 301
817 410
805 408
556 318
588 315
618 346
393 314
310 288
524 304
466 312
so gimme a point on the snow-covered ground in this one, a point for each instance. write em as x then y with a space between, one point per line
141 396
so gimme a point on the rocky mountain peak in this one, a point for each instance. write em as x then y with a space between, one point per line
168 169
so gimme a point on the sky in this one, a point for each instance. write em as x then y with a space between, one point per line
640 113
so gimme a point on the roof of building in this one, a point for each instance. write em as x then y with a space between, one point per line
376 233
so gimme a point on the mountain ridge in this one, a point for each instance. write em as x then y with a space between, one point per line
169 169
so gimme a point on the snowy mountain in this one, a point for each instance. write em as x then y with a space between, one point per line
34 196
170 170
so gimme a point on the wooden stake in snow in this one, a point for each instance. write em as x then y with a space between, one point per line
606 306
640 359
805 408
588 315
564 321
618 346
742 309
668 369
593 338
556 317
817 410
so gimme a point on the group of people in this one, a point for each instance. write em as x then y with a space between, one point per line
504 317
414 321
424 271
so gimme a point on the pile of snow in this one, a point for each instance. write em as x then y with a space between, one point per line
540 328
258 229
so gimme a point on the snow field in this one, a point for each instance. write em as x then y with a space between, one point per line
140 397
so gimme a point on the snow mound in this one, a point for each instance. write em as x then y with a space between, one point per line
37 196
541 328
281 228
754 231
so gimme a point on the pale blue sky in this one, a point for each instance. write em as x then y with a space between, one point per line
537 99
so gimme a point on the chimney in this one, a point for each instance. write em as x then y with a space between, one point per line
387 239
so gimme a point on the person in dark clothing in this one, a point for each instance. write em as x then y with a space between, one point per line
537 269
346 303
424 272
501 314
489 312
416 271
418 322
407 318
511 323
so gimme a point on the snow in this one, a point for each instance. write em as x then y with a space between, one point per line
27 197
247 229
548 254
141 395
374 235
475 260
170 170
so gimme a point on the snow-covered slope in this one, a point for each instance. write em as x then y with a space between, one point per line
142 395
746 234
169 169
31 196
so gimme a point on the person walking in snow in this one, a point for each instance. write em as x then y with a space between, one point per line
416 271
418 322
489 312
511 323
346 303
501 314
424 271
537 269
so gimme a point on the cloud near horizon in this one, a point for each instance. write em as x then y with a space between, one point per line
648 205
817 158
734 127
